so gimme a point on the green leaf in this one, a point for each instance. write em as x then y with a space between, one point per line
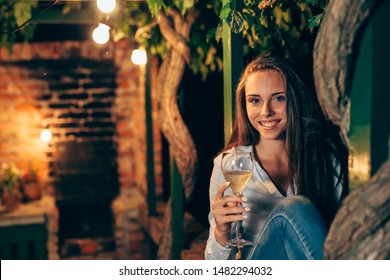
179 5
236 22
22 13
155 6
188 4
184 6
315 21
264 21
248 3
250 12
225 11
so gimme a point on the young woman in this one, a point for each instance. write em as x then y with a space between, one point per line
297 181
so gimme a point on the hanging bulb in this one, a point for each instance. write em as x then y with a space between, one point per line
101 34
46 135
139 57
106 6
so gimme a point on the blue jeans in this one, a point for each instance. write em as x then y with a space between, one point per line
294 230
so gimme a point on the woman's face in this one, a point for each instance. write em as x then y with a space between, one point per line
265 94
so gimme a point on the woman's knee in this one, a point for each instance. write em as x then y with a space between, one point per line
296 222
295 206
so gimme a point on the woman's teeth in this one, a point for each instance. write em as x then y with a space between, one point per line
268 124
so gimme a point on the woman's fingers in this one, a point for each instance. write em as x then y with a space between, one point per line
228 219
225 216
221 201
231 211
227 209
223 222
221 189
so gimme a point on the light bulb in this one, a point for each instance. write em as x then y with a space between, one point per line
101 34
138 57
46 135
106 6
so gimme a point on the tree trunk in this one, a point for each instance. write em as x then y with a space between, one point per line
334 60
361 228
170 76
171 123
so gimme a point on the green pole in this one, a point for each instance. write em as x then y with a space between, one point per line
177 202
232 68
177 210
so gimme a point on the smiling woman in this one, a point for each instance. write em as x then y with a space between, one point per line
296 183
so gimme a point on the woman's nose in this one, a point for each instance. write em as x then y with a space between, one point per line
266 109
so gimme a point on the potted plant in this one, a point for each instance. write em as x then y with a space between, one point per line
10 179
31 186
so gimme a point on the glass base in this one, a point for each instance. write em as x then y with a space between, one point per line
239 243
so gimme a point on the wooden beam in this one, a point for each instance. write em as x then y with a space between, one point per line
55 16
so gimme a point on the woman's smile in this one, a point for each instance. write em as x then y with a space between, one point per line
269 124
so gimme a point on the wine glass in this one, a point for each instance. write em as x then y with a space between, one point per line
237 168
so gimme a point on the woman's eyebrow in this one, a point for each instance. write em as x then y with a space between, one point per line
258 95
281 92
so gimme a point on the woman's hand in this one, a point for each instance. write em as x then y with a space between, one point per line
225 210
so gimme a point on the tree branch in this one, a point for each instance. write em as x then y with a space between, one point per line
142 29
175 39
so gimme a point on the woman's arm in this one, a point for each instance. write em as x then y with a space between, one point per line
223 209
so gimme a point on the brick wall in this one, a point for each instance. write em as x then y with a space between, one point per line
83 92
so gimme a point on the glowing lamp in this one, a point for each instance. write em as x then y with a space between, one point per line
106 6
101 34
138 57
46 135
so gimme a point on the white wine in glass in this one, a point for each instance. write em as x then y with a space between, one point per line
237 169
237 179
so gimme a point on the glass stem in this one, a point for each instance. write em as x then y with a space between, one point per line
238 224
238 233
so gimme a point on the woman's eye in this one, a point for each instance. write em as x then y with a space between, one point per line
253 100
280 98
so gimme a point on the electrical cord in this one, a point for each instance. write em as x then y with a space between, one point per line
30 19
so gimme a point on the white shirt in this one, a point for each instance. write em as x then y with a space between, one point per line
262 197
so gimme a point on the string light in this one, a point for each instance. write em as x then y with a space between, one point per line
101 34
106 6
139 57
46 135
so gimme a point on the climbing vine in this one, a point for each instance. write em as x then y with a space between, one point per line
281 26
